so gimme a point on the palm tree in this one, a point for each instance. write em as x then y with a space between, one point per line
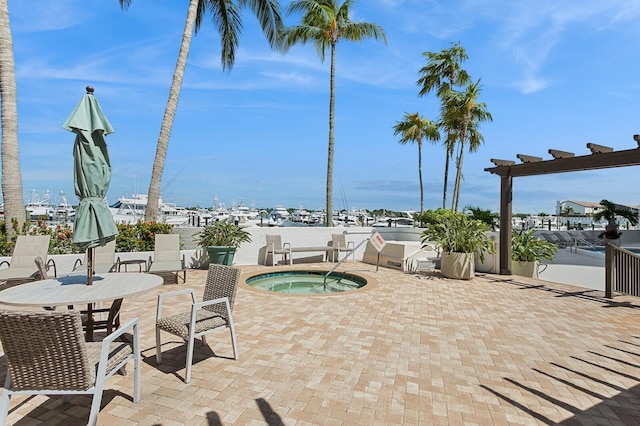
484 216
442 73
463 112
226 18
11 177
414 129
324 23
610 211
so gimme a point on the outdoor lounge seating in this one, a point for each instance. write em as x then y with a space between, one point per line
340 245
274 247
212 314
166 257
103 259
22 266
46 353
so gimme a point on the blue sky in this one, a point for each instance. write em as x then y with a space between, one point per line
554 75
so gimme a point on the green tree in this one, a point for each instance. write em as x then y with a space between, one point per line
225 16
415 129
443 73
324 23
485 216
610 212
462 111
11 177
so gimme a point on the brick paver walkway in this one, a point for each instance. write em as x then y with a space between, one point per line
410 349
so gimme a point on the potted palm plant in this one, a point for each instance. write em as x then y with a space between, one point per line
221 240
527 251
610 212
459 237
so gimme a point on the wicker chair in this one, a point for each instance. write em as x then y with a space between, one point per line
46 353
212 314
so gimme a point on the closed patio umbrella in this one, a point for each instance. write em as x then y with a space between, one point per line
94 225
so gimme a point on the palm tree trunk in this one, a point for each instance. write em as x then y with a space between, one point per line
456 187
332 96
446 179
420 177
151 213
11 177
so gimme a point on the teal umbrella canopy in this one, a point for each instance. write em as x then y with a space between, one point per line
94 225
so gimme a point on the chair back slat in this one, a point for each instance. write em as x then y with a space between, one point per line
274 241
222 281
46 350
167 248
27 248
103 258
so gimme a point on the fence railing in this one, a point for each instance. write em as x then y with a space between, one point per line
622 271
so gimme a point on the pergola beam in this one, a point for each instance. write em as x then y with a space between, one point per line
600 160
601 157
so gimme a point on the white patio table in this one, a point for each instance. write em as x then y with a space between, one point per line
73 290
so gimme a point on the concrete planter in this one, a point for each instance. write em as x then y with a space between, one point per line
525 269
458 265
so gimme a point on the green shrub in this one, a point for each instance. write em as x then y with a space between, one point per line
140 236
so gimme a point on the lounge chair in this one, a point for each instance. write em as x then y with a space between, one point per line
553 239
340 245
46 353
22 266
275 246
591 238
166 257
212 314
103 259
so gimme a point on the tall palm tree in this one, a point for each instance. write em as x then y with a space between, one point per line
11 177
414 129
443 73
324 23
225 16
463 112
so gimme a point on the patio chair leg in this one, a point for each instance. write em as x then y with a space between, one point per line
158 349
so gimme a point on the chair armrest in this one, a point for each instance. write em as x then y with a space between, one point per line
5 262
163 296
77 264
350 244
52 264
105 350
149 262
224 300
196 306
286 246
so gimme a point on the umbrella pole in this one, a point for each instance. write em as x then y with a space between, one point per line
90 253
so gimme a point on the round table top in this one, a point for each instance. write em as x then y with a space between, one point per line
73 289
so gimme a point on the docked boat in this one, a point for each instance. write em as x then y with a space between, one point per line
132 210
301 215
244 217
279 214
40 207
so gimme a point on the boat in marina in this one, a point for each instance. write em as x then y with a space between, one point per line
132 210
244 216
301 215
40 207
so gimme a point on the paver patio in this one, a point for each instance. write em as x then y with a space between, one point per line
408 349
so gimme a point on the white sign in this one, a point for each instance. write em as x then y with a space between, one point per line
377 241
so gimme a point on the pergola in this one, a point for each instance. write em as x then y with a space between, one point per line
601 157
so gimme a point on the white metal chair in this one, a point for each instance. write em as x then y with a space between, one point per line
212 314
340 245
166 257
46 353
22 266
103 259
275 246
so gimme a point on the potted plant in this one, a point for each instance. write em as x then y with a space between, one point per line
459 237
610 211
221 240
527 251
